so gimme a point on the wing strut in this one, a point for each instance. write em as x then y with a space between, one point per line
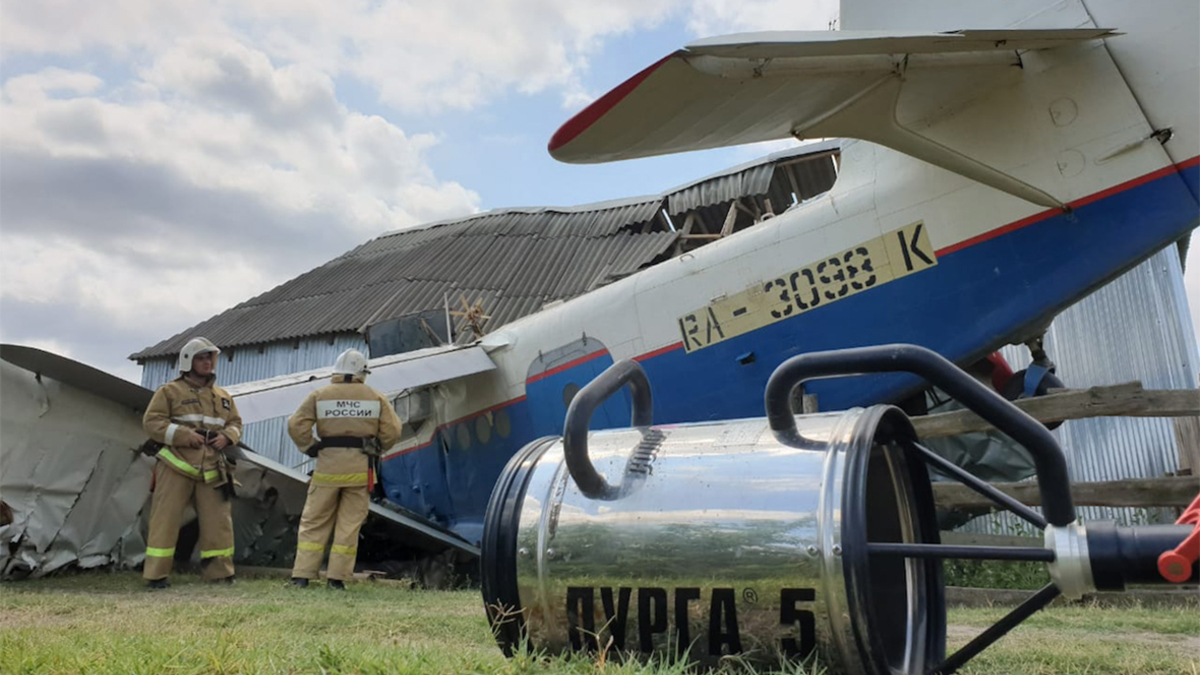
883 94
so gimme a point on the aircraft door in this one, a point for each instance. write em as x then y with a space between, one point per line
557 375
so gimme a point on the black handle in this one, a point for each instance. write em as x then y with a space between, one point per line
1053 482
579 417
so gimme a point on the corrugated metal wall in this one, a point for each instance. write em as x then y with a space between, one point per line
1136 328
268 437
248 364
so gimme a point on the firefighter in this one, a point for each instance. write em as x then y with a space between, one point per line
197 423
353 422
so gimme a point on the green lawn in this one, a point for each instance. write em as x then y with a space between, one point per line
106 623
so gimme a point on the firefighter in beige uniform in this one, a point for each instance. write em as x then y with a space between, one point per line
195 421
351 420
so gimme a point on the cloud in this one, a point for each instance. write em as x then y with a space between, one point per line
48 82
418 56
213 176
164 161
122 26
73 331
719 17
458 54
228 76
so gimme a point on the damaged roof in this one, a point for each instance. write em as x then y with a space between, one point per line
514 261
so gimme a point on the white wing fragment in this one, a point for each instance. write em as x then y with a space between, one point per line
276 397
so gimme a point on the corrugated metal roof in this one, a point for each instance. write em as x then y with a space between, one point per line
513 260
503 272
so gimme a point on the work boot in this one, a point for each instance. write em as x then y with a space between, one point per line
298 582
157 584
336 585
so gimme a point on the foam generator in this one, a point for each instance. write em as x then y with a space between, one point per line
771 540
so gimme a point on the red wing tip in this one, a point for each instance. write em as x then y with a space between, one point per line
588 116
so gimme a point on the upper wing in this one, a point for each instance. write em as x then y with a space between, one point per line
77 374
281 396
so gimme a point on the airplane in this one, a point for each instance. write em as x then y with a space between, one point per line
998 163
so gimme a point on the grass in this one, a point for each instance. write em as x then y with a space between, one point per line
107 624
1084 639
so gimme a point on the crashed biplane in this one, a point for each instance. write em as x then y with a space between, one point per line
987 178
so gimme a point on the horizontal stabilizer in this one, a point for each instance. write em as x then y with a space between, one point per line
756 87
796 44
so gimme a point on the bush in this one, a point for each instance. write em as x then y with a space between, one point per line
996 574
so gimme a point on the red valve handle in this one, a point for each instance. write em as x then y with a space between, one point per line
1176 565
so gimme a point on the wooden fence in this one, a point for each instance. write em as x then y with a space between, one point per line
1125 400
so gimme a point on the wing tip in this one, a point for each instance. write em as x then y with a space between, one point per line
582 120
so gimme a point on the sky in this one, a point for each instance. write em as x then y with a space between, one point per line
161 162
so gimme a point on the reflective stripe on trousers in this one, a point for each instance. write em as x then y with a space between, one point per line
173 492
340 479
335 510
209 475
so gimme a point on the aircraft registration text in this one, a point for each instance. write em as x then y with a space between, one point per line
867 265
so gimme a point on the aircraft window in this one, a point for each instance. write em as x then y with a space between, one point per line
569 392
407 430
483 429
462 437
503 424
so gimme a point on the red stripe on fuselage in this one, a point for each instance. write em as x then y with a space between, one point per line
1082 201
566 366
1188 163
656 352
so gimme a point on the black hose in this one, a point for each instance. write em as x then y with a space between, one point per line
1053 481
579 417
1129 555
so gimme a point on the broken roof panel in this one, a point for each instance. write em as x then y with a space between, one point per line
513 260
757 178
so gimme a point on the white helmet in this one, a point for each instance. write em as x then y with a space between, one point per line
350 362
196 345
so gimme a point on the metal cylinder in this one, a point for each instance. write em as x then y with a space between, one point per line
720 541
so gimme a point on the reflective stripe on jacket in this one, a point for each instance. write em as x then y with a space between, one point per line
179 407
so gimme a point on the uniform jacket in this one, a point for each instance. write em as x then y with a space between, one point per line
344 409
178 407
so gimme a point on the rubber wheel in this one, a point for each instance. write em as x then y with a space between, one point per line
1015 389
